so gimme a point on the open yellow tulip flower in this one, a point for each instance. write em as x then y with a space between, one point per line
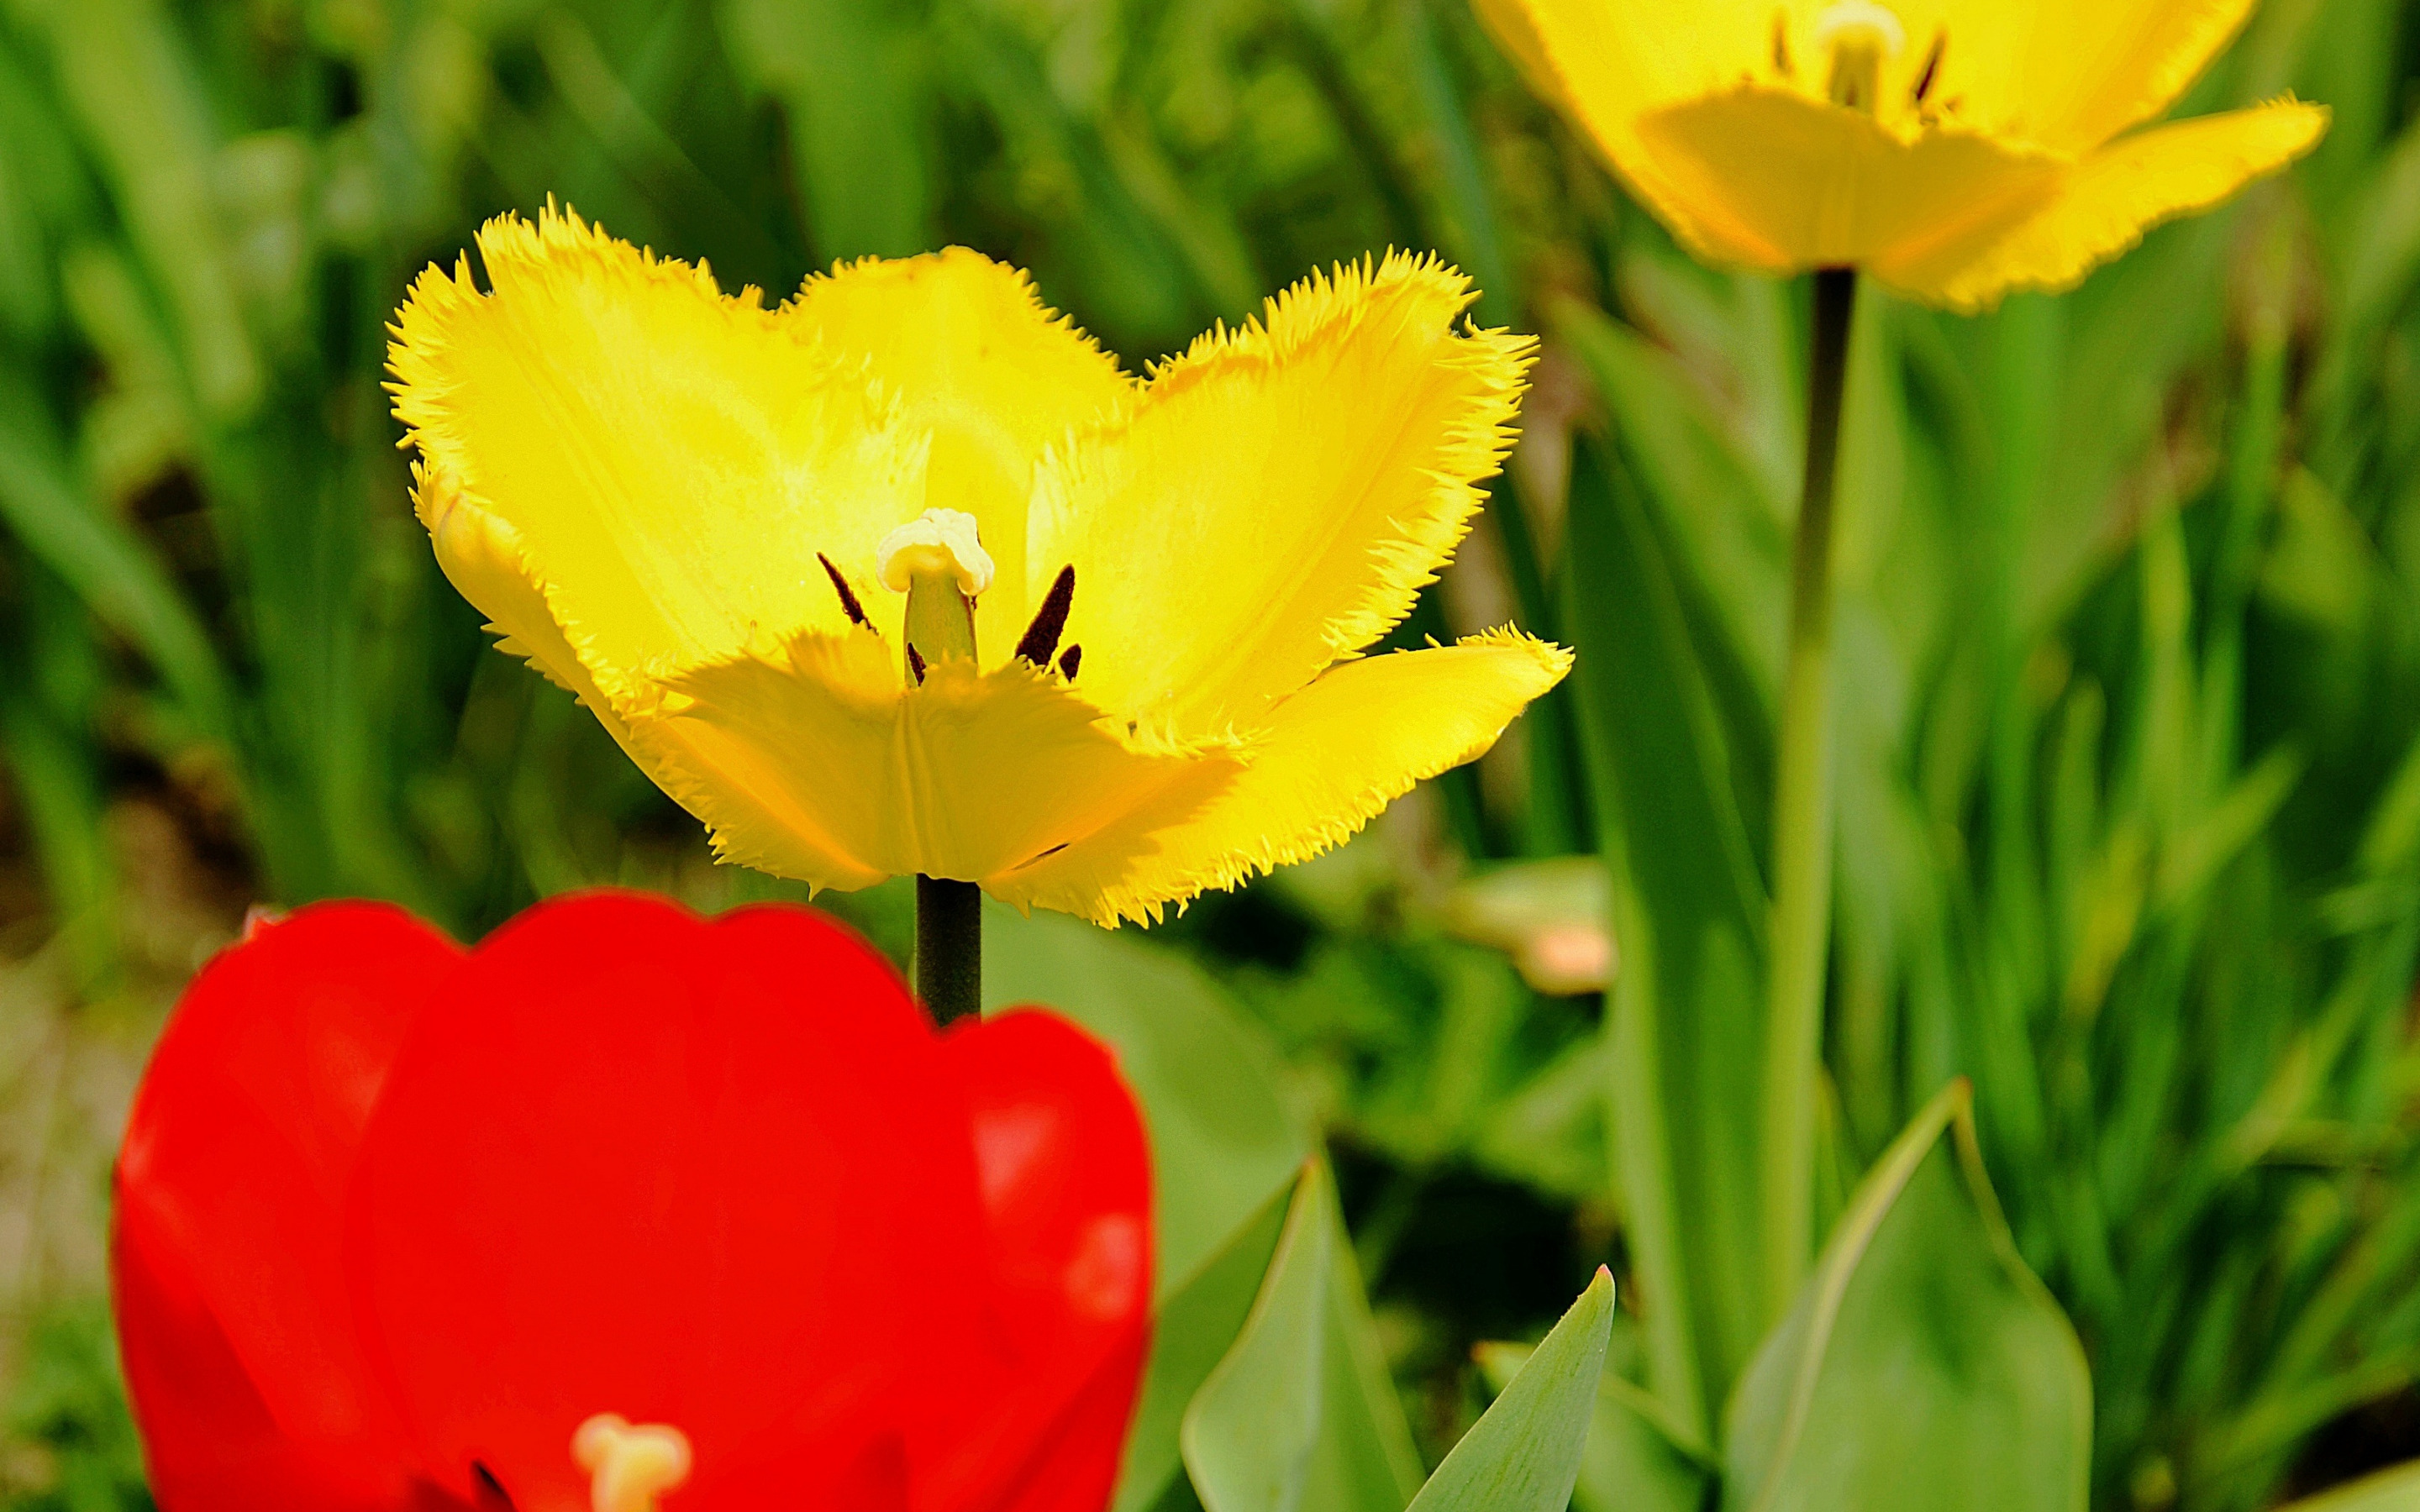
907 576
1957 150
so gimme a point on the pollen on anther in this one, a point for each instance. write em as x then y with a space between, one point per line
1068 663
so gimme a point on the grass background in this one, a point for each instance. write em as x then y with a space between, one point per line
2131 633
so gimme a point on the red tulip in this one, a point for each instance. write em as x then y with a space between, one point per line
622 1208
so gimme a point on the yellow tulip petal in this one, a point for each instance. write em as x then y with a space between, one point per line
1332 756
669 459
2105 205
1806 184
484 558
1611 64
815 749
2070 74
1277 497
983 369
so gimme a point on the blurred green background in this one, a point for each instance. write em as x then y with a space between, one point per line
2130 641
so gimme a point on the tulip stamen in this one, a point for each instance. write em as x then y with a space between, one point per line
1931 71
1041 639
1781 61
630 1465
1861 36
1068 663
847 594
939 562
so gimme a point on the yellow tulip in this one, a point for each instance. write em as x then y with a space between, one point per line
1957 150
1125 666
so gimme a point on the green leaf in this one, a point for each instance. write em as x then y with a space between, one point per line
107 565
1923 1366
1222 1136
1250 1431
2390 1490
142 107
1192 1332
1685 1024
1365 1460
1524 1455
852 77
1634 1462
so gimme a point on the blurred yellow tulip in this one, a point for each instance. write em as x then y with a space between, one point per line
907 577
1957 150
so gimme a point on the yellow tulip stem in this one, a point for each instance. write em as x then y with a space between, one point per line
949 948
1802 825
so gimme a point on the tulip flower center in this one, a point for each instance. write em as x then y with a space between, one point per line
630 1465
939 562
1860 37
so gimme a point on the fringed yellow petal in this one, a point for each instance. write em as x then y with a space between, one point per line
1332 756
669 459
1279 495
816 749
981 367
484 558
1805 184
2103 206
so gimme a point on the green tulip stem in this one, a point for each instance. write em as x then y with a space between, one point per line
949 914
1802 825
949 948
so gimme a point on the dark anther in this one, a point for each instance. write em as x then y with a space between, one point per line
1781 44
1068 663
848 595
916 665
1041 635
492 1494
1932 66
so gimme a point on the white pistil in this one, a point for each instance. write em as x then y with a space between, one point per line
630 1465
937 540
1860 36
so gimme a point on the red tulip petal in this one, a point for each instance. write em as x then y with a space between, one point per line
1039 1417
708 1175
233 1315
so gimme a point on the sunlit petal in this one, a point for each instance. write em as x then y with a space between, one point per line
1279 495
984 370
1332 756
670 458
818 751
2105 204
1805 184
2070 74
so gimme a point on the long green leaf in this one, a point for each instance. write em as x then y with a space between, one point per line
1923 1366
2389 1491
111 571
1524 1455
1250 1431
1222 1138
